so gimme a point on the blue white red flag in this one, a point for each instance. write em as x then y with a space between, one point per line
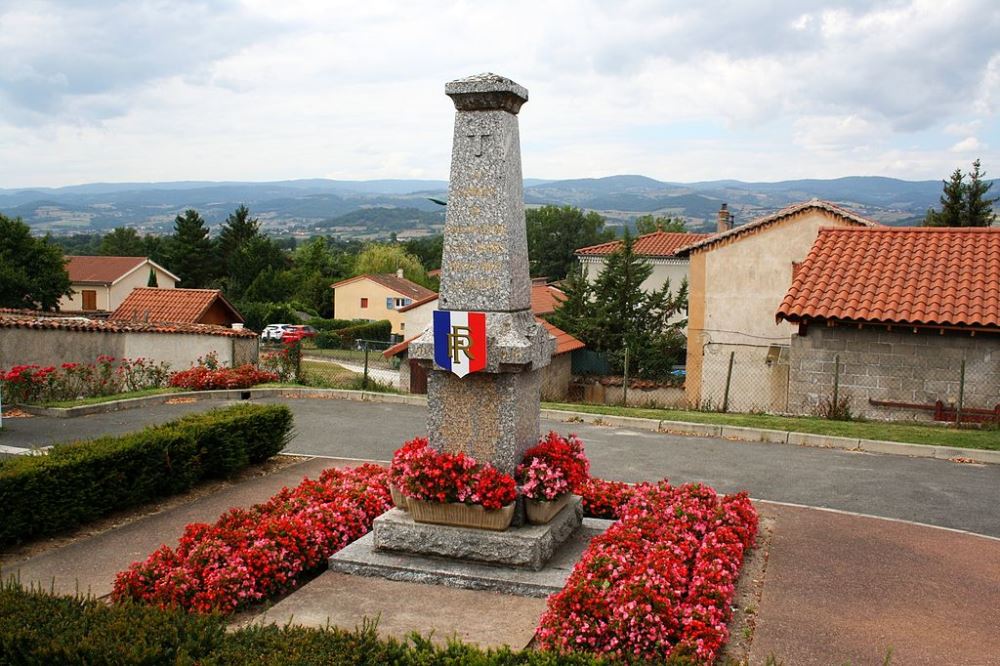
460 341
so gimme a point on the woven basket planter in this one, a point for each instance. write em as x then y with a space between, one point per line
542 511
398 498
461 515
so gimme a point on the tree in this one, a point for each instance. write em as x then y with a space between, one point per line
647 224
964 204
32 270
122 242
192 253
380 258
151 282
248 261
427 249
271 286
978 207
615 313
239 228
554 235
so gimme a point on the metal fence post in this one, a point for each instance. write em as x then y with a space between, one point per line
364 383
835 407
729 379
625 381
961 394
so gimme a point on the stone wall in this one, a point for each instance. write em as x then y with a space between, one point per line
898 366
556 377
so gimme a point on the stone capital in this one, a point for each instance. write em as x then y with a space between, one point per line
486 92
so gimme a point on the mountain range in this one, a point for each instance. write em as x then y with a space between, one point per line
377 208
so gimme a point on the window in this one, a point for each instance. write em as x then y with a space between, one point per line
402 302
89 299
389 300
402 326
364 302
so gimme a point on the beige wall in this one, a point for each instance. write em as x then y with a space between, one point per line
347 304
675 270
109 298
738 286
54 347
419 319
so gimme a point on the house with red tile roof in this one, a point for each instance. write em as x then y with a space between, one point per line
738 277
377 297
555 377
100 284
907 318
190 306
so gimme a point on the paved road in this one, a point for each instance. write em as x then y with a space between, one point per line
960 496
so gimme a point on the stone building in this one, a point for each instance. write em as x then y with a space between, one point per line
737 279
895 313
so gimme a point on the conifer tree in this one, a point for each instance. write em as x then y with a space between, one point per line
978 208
151 282
964 204
238 229
192 252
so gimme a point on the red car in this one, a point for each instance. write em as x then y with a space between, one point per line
297 333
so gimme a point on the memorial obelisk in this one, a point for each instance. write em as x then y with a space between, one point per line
492 414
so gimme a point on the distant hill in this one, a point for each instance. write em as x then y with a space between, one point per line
377 208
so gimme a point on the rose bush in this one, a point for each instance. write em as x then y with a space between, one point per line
249 555
106 376
204 378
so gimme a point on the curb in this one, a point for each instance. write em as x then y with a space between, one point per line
737 433
222 394
744 434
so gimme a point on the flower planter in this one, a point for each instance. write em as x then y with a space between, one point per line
542 511
461 515
398 498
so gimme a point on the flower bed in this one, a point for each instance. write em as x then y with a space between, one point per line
421 473
249 555
658 584
554 467
28 384
204 378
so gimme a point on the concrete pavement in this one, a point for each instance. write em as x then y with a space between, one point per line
936 492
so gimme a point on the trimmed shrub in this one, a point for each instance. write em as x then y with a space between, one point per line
344 337
321 324
39 628
81 481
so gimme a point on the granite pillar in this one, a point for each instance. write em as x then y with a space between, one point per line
493 414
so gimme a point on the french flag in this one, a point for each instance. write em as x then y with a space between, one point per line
460 341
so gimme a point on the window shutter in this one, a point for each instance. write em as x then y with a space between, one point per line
388 303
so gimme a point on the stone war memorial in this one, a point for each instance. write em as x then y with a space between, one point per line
484 355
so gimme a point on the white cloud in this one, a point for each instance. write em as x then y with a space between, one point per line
306 88
967 145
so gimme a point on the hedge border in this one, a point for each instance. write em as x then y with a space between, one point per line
81 481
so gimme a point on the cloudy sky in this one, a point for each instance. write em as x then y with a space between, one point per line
681 91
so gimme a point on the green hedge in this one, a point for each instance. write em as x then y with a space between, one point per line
81 481
321 324
39 628
344 337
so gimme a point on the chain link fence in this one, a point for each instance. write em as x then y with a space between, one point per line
838 373
357 364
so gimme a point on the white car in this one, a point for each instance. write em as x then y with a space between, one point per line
273 332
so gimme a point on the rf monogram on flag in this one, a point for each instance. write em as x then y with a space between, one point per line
460 341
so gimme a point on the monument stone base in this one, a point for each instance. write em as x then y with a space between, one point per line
361 558
528 547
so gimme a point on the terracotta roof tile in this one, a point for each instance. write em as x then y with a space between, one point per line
39 321
400 285
564 341
761 222
905 275
171 305
656 244
104 270
545 297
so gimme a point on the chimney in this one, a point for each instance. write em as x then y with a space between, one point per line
725 222
399 272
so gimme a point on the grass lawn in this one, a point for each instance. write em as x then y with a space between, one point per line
894 432
328 375
352 355
109 398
